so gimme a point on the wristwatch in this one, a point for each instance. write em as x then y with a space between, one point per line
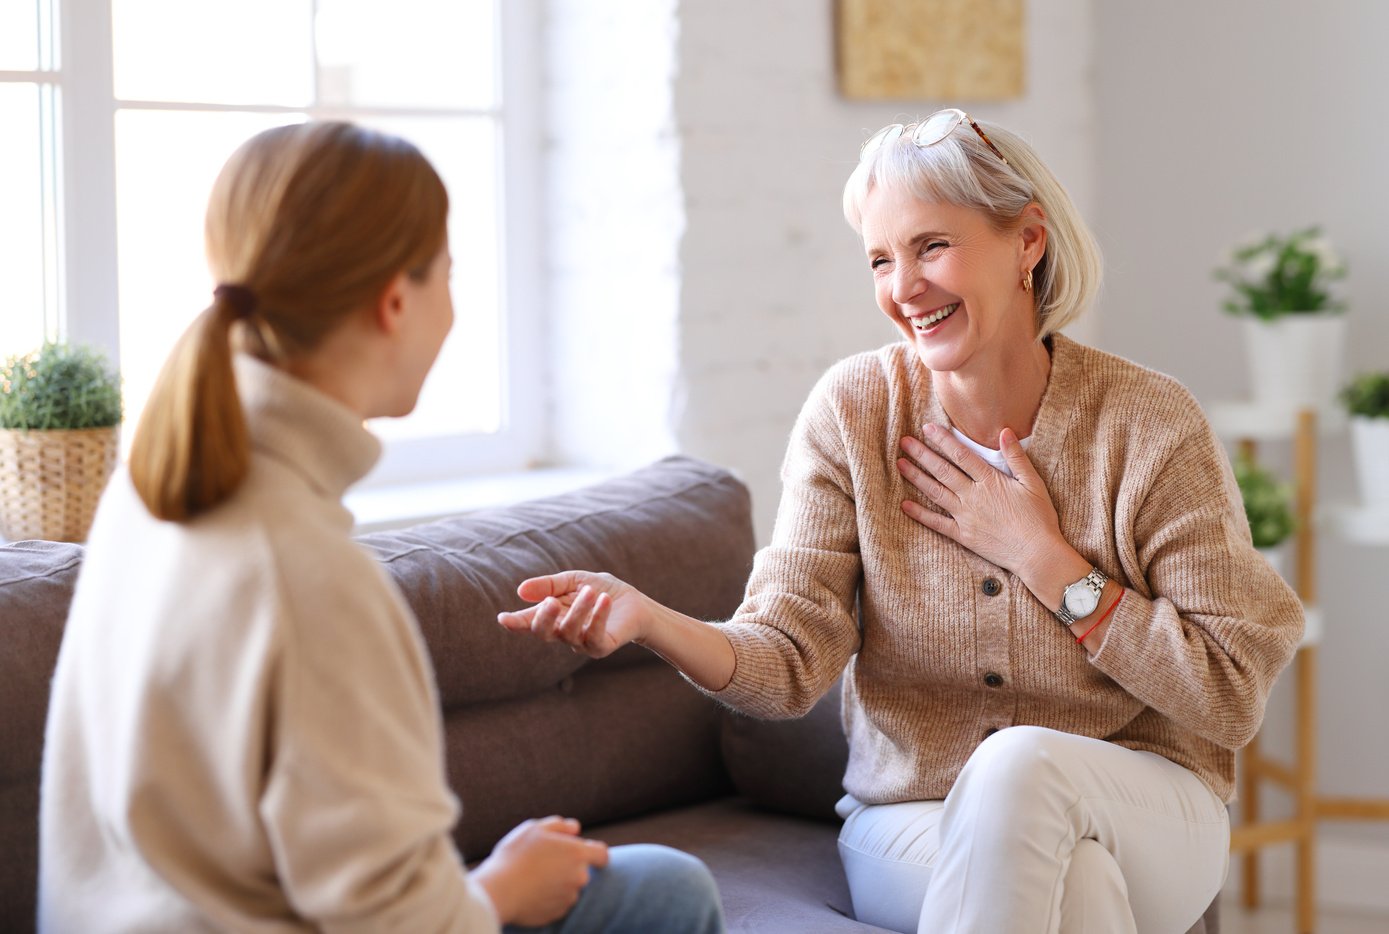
1079 600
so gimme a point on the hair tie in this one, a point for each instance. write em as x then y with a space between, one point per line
241 299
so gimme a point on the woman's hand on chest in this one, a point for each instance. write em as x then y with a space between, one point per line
1008 521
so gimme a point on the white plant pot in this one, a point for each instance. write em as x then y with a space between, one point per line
1296 361
1369 440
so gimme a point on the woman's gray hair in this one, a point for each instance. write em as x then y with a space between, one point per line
962 170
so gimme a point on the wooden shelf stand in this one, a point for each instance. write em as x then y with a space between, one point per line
1298 778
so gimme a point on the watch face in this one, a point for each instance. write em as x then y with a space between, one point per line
1081 600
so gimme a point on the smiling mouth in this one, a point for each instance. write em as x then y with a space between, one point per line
926 322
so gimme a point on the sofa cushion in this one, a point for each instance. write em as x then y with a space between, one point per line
680 530
791 766
775 873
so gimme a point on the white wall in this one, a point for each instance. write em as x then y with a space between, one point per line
1215 119
611 225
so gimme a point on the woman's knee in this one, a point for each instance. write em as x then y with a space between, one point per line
681 882
1016 756
664 864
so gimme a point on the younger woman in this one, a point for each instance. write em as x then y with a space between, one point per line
244 732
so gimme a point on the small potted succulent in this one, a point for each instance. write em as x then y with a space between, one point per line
1268 505
60 414
1367 401
1284 287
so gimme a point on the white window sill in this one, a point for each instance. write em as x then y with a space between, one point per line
399 506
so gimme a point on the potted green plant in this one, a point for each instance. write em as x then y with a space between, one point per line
60 414
1268 505
1367 401
1284 287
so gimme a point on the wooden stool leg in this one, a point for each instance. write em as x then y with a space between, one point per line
1305 458
1306 789
1249 810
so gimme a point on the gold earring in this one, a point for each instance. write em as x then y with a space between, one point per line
1027 280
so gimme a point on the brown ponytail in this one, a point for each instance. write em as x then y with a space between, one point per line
314 220
191 449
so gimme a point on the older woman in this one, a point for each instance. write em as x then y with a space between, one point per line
1055 629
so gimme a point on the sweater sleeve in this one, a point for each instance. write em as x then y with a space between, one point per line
798 627
357 807
1206 624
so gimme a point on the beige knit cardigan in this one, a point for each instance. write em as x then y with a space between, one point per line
943 648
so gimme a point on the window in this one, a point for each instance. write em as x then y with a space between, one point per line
28 193
119 113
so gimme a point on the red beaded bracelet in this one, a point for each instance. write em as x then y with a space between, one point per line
1102 618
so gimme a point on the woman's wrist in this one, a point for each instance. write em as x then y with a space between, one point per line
1055 568
1058 567
494 880
1090 631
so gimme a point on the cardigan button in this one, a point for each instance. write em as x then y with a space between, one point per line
993 680
991 587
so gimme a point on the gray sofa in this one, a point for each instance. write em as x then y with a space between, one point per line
624 745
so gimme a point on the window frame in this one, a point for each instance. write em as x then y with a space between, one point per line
85 256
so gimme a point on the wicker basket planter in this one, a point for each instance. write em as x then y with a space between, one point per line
50 481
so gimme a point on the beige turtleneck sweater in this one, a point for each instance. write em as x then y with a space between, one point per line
1142 488
244 733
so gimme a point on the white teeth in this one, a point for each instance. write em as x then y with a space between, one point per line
922 324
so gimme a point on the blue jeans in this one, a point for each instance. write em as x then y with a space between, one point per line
643 889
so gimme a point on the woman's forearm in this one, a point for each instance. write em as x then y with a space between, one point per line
698 649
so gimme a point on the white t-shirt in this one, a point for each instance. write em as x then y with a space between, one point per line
995 458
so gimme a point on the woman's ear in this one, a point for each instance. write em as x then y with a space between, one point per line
1033 231
389 311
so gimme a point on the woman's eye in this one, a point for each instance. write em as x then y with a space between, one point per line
878 262
934 245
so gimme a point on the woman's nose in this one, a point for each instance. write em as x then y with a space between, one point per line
907 282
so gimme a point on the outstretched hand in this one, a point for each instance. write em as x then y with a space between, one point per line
594 614
1009 521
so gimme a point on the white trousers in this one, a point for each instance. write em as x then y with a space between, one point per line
1043 832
